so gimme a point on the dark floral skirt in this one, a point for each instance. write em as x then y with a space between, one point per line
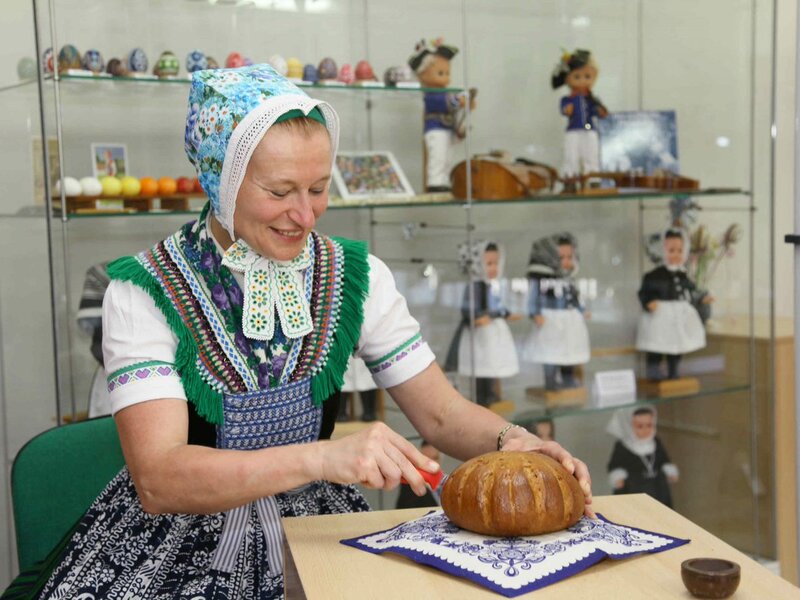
119 551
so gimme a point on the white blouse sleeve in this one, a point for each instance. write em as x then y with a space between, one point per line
138 348
391 343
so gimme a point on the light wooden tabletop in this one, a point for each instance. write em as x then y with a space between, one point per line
329 570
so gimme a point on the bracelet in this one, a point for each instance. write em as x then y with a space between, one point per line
502 435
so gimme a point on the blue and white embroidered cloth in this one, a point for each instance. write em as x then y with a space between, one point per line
512 566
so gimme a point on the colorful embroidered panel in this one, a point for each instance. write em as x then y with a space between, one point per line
396 355
140 372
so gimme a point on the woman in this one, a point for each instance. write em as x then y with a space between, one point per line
226 346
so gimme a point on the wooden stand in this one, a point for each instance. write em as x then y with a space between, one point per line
87 204
667 388
350 398
564 397
503 407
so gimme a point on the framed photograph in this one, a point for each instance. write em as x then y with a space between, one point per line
370 175
639 141
109 159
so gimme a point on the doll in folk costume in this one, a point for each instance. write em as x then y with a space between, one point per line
578 70
671 324
639 463
495 353
559 339
358 380
443 111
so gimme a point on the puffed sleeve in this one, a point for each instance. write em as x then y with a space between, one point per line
391 342
138 348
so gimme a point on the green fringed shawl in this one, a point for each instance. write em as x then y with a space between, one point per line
205 390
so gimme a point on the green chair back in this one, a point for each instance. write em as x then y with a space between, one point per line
55 477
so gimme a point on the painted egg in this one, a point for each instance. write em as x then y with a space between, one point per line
137 61
212 62
196 61
394 75
112 186
69 58
130 186
364 71
294 68
116 68
167 65
277 62
246 61
91 186
346 74
26 68
70 185
310 74
327 69
234 61
93 61
47 61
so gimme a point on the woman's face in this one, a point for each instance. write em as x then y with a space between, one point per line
491 263
643 426
673 251
582 79
566 257
284 192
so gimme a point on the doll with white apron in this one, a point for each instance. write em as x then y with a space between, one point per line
358 379
495 353
670 324
559 339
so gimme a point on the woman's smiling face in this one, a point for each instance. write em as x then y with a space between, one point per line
284 191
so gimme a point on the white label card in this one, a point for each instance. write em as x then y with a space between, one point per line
615 388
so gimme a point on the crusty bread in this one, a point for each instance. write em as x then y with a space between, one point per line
512 493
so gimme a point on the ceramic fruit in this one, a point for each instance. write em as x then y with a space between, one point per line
137 61
93 61
68 58
112 186
131 186
196 61
167 186
91 186
149 186
184 185
167 65
71 186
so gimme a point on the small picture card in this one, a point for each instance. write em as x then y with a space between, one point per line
370 176
614 388
109 159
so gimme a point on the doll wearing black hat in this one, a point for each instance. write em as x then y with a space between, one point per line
431 63
578 70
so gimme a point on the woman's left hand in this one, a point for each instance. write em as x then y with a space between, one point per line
520 439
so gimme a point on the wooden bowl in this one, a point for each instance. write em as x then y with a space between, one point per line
710 577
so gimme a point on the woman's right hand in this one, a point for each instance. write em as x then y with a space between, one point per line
539 320
375 457
619 484
652 305
483 321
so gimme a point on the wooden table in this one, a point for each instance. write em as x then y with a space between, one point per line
328 570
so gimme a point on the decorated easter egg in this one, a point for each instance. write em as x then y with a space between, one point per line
247 61
137 61
149 186
234 61
167 186
91 186
111 185
116 68
346 74
93 61
69 58
310 74
167 65
196 61
294 68
277 62
364 71
130 186
70 185
395 75
327 69
47 61
212 62
26 68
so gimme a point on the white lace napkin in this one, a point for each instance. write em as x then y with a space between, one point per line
512 566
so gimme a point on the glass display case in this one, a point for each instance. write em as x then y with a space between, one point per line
652 57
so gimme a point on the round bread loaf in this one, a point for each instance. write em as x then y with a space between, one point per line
512 493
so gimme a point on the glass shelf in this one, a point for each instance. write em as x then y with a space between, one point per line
153 80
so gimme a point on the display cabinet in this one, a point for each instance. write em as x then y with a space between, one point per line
652 56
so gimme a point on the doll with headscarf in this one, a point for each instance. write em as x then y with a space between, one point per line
559 339
670 324
431 63
495 353
578 70
358 380
639 463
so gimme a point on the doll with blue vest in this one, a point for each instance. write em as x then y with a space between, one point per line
578 70
431 63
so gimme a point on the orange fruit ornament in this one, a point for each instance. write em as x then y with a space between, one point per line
149 186
167 186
